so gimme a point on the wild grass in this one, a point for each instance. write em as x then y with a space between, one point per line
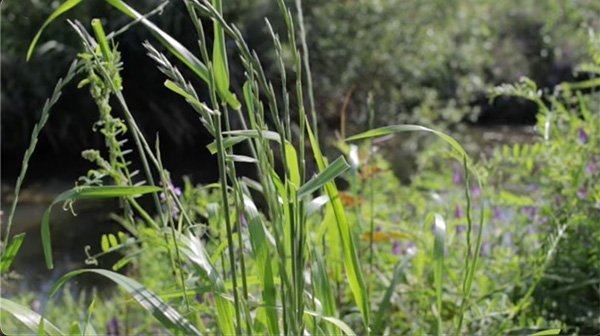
270 252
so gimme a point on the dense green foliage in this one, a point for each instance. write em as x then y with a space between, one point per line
498 243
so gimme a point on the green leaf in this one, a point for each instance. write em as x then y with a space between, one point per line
85 193
113 240
28 317
63 8
104 244
235 137
335 169
165 314
11 251
220 66
346 330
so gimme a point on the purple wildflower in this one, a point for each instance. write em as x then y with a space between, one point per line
590 168
475 191
112 327
582 193
583 137
396 248
456 176
530 211
243 221
199 298
458 212
496 213
460 229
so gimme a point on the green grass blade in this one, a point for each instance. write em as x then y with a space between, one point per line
11 251
28 317
165 314
547 332
351 262
335 169
220 66
344 328
408 128
85 193
291 158
384 309
63 8
262 255
439 231
235 137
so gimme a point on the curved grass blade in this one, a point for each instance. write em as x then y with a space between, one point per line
335 169
547 332
10 252
63 8
28 317
165 314
346 330
408 128
85 193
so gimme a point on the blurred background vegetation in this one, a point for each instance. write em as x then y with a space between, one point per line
427 62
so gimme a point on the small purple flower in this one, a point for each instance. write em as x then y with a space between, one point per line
530 211
496 213
243 221
460 229
475 191
458 212
583 137
396 248
112 327
582 193
456 176
590 168
199 298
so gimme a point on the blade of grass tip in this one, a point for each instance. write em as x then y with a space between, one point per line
88 329
351 262
165 314
101 38
63 8
220 66
29 318
335 169
85 193
439 231
547 332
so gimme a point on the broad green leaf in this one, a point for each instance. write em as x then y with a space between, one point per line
85 193
351 262
11 251
63 8
28 317
335 169
165 314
